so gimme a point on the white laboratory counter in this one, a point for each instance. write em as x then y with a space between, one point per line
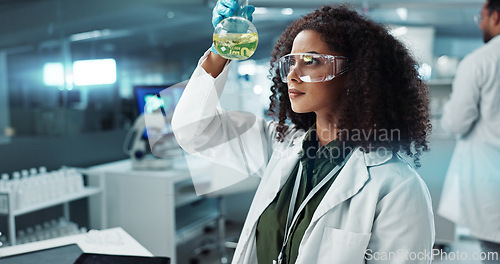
114 241
159 208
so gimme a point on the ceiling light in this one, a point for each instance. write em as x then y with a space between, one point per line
287 11
94 72
400 31
402 13
53 74
90 35
248 67
257 89
260 11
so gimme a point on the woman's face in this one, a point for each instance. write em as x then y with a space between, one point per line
319 97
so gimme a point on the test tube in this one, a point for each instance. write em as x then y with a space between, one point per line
4 182
33 171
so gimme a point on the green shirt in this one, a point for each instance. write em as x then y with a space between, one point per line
317 162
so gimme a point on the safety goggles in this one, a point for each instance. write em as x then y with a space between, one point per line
312 67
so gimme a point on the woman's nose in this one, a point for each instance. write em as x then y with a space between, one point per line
293 76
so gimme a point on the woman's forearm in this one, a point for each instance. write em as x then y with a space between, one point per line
214 64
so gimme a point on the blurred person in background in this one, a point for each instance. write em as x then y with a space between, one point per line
471 193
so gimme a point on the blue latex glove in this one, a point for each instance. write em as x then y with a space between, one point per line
226 8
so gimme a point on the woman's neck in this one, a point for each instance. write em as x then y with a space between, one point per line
326 128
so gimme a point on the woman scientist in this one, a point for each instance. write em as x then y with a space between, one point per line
333 187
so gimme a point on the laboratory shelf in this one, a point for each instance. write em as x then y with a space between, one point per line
185 193
185 199
195 229
86 192
7 207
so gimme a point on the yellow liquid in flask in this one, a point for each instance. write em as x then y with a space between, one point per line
236 46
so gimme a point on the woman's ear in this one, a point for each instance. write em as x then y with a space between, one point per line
495 18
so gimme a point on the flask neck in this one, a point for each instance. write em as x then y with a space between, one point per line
242 3
242 12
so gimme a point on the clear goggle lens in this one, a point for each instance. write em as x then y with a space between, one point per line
311 67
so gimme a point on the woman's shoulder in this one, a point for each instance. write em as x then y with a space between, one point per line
395 172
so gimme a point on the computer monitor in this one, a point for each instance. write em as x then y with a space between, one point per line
152 98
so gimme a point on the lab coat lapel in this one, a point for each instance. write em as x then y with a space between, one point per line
288 162
283 165
350 180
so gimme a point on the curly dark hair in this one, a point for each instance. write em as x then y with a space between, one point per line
383 90
493 5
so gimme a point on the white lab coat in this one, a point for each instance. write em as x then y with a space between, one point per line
471 195
377 205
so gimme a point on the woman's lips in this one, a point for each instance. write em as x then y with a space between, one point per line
294 93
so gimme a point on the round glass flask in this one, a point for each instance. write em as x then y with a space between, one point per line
235 37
